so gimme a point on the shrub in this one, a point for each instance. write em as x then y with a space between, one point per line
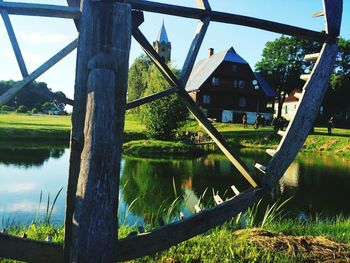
22 109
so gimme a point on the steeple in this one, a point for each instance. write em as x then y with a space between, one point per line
162 44
162 36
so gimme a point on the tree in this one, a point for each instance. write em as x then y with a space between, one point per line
283 62
138 75
163 116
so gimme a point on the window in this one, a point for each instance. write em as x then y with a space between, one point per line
241 84
286 109
269 105
234 68
206 99
242 102
215 81
235 83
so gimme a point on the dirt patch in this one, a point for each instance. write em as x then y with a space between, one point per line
314 249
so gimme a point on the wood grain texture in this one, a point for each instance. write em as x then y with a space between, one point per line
227 18
101 81
29 250
333 10
8 95
40 10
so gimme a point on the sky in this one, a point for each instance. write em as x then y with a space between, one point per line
41 37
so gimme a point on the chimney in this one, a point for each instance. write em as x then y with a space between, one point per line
210 52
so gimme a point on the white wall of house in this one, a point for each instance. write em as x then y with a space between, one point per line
288 110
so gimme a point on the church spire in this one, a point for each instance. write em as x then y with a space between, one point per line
162 44
162 36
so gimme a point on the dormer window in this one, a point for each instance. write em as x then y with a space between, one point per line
206 99
215 81
235 83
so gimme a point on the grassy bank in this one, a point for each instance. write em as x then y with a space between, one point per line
42 127
279 241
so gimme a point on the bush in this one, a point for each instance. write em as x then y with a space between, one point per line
22 109
7 108
35 111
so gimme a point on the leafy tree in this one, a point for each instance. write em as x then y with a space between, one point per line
163 116
283 62
22 109
138 75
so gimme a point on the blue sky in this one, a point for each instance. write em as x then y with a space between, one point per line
40 38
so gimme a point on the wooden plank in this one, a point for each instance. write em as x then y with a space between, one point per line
8 95
150 98
312 57
305 77
203 4
218 200
24 249
197 208
298 95
14 42
94 233
216 137
333 10
318 14
303 120
193 51
281 133
172 234
27 9
227 18
160 64
271 152
260 167
235 190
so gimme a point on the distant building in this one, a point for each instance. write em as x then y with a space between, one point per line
289 107
162 45
225 87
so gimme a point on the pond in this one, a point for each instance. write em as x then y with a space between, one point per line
148 188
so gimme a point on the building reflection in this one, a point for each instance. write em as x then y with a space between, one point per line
290 178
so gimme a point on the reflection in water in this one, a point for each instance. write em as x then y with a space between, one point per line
150 186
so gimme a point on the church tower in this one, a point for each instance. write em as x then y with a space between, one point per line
162 45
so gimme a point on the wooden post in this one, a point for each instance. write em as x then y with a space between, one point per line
99 110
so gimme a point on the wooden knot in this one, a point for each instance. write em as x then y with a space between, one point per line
102 61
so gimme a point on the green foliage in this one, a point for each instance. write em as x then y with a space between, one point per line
137 79
164 116
35 111
7 108
22 109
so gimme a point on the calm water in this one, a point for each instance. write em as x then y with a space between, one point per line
319 183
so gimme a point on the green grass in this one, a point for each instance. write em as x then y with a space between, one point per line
23 127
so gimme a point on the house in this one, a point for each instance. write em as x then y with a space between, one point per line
289 107
225 87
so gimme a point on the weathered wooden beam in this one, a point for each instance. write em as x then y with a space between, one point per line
260 167
76 4
305 77
333 10
153 55
271 152
24 249
172 234
235 190
8 95
193 51
40 10
318 14
218 200
227 18
102 68
150 98
312 57
216 136
14 42
303 120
